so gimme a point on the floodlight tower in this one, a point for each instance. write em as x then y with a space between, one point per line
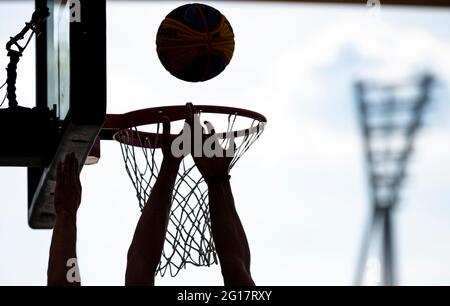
390 116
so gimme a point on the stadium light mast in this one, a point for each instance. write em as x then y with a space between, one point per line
390 116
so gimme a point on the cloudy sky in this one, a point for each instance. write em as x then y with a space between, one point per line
301 190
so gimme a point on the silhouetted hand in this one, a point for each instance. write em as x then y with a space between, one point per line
210 166
68 187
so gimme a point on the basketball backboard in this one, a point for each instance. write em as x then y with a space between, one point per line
71 81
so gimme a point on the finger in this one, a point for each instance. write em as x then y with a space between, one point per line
73 171
66 160
65 169
76 164
59 172
69 171
210 127
211 130
190 108
75 167
166 126
190 113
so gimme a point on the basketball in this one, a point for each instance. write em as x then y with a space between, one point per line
195 42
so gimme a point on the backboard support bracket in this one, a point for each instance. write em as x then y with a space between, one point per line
86 95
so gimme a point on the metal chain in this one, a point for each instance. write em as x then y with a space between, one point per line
15 52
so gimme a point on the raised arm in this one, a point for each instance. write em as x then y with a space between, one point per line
229 235
148 240
227 230
63 266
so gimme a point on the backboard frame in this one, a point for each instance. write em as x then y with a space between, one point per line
86 112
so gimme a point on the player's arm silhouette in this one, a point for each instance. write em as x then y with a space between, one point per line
148 241
62 267
227 230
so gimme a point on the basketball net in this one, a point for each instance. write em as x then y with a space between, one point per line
188 238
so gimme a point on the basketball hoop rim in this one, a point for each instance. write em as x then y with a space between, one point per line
116 123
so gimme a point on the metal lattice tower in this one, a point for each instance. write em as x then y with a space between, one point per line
390 117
